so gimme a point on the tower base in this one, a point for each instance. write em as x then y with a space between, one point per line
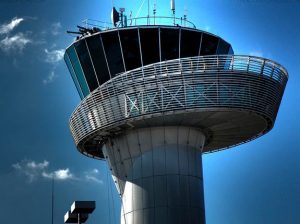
158 173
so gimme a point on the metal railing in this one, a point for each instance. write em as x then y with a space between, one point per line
198 83
160 20
91 23
139 21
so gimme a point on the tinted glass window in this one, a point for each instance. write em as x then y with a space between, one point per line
209 45
113 53
86 64
68 62
149 45
98 58
223 47
228 61
131 48
190 43
169 44
78 71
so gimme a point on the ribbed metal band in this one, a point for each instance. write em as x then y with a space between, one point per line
198 85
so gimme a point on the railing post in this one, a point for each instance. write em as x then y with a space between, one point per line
126 107
218 80
162 97
143 111
272 72
262 67
248 65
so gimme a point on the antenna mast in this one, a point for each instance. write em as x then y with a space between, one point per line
173 9
148 12
154 11
185 15
52 199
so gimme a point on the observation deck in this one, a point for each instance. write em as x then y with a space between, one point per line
231 98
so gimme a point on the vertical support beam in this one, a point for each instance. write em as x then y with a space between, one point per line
79 218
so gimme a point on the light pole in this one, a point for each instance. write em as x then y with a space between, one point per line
79 212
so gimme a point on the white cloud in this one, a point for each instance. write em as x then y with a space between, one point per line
93 176
95 171
50 78
31 169
8 27
54 56
34 165
94 179
16 42
34 170
62 174
55 28
17 166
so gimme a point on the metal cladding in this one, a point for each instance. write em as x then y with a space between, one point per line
154 99
231 98
159 174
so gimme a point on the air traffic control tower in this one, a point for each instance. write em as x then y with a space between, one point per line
157 93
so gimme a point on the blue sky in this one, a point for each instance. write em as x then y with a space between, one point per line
258 182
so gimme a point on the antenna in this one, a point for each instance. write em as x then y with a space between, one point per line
52 199
148 12
138 12
123 17
154 11
115 17
130 18
185 15
173 9
118 17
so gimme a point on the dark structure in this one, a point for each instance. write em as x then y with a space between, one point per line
154 98
95 59
79 212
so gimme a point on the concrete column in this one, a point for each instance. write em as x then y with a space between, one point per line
158 173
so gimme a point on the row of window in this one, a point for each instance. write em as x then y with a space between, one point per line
94 60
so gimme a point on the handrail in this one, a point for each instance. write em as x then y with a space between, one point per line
147 21
215 62
160 20
91 23
241 63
